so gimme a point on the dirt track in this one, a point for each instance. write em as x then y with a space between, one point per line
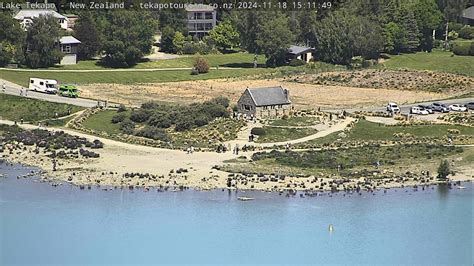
303 95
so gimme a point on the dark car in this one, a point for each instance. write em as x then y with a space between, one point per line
439 107
427 108
470 105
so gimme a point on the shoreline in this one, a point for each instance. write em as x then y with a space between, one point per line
40 176
146 182
131 166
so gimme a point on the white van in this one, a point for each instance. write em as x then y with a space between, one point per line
43 85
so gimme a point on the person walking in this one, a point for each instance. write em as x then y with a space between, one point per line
4 88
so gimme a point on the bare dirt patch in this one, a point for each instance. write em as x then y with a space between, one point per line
391 79
302 95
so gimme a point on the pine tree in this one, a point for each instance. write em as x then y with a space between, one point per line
410 29
443 169
86 31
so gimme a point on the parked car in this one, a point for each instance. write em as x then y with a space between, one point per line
426 107
457 107
470 106
418 111
393 108
68 91
439 107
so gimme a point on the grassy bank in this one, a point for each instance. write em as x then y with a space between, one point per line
127 77
439 61
15 108
353 161
367 131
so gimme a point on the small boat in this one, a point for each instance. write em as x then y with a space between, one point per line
461 187
245 198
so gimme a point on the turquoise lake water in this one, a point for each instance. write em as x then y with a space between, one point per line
45 225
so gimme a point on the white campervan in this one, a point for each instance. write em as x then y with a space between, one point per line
43 85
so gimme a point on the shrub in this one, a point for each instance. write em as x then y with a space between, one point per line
221 100
462 48
201 65
467 32
214 110
201 120
140 115
259 131
118 118
160 119
121 108
184 123
190 48
150 105
127 126
296 62
153 133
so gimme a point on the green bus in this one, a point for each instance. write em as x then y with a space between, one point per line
68 90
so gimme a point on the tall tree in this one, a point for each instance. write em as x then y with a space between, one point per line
166 43
409 26
12 38
225 35
428 18
42 42
249 25
86 31
174 18
275 38
128 37
307 20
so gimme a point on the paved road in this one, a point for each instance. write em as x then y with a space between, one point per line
14 89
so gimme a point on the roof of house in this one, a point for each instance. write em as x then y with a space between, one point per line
295 49
199 7
33 13
468 13
269 96
68 40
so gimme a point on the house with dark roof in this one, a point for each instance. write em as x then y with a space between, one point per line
302 53
68 46
468 16
264 102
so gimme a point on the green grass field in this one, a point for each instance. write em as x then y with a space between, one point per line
222 60
439 61
101 121
277 134
127 77
365 131
15 108
295 121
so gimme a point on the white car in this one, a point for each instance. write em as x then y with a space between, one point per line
393 108
418 111
458 108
